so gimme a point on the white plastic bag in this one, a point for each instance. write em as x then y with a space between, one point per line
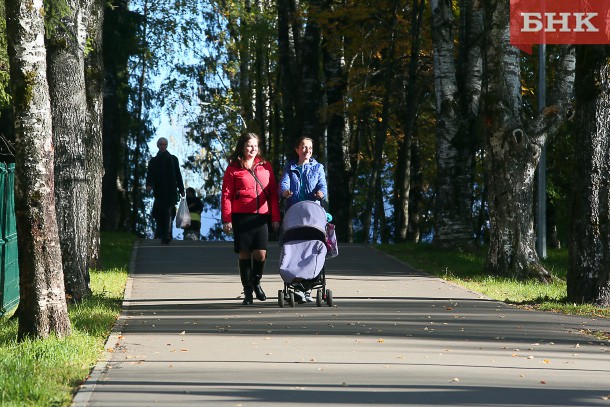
183 216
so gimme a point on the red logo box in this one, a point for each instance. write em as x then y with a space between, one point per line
559 22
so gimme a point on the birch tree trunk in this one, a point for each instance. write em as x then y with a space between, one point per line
457 107
43 309
588 277
512 148
66 75
94 80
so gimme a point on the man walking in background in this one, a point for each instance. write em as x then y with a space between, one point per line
165 180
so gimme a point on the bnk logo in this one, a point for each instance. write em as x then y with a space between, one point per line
559 22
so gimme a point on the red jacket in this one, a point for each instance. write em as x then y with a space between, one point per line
242 194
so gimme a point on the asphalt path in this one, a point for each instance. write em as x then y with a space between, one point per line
394 336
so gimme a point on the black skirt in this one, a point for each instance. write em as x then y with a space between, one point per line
250 231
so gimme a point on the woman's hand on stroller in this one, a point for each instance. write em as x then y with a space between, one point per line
319 195
227 227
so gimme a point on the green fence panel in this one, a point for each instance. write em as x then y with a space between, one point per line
9 272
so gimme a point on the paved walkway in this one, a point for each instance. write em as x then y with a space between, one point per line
394 336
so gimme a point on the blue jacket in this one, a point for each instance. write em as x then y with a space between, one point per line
313 179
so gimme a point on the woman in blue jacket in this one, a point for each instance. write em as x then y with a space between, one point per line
303 178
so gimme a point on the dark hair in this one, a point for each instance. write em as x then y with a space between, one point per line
192 190
238 153
297 143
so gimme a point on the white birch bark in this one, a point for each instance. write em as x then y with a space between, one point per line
43 308
512 148
458 89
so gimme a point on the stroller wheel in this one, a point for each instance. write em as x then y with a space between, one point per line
280 298
319 298
291 298
329 298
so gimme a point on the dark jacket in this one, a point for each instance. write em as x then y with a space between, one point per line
165 179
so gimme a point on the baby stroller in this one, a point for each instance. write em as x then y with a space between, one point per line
303 253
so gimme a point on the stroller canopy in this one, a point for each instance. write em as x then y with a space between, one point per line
305 214
304 247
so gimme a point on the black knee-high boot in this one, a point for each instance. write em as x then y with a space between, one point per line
245 272
257 274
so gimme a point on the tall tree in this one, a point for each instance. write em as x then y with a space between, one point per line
458 90
289 39
66 76
43 309
588 277
119 28
94 79
382 126
402 175
337 130
512 146
311 81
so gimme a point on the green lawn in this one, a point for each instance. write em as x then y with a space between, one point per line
466 269
47 372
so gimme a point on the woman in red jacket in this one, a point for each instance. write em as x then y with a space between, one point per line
249 201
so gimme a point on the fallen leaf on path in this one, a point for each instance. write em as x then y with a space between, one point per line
455 379
546 361
542 382
380 340
182 333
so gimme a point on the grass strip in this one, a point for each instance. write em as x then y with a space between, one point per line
46 372
467 269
